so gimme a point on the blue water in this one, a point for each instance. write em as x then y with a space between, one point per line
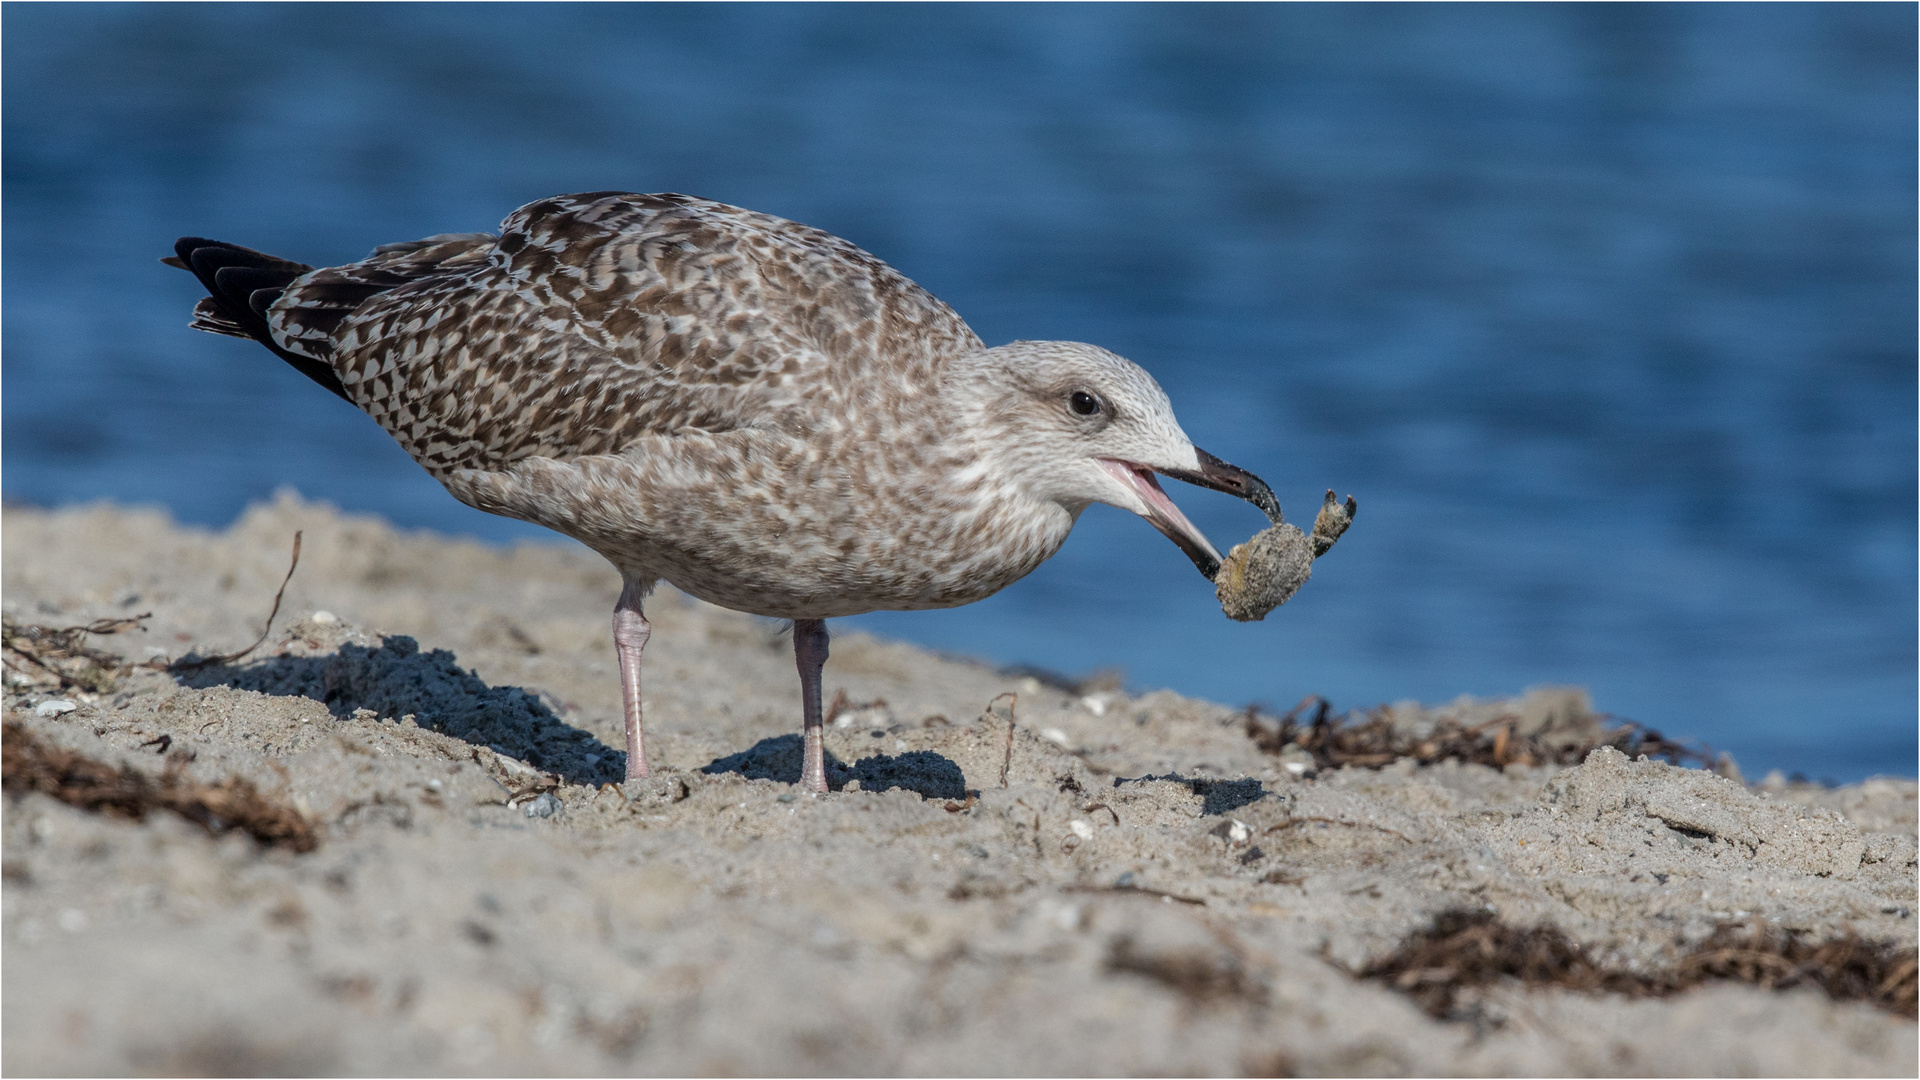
1605 313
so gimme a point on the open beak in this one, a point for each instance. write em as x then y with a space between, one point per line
1163 515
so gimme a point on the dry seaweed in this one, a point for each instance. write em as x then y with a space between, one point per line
1372 738
57 659
48 658
1462 950
1849 968
32 764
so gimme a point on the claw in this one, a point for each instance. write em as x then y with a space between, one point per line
1333 520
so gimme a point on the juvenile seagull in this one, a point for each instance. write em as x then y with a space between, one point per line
758 412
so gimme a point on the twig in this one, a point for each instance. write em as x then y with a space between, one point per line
1138 890
1288 824
114 626
837 706
195 665
1006 765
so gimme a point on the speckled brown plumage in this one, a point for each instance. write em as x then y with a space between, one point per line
637 349
759 412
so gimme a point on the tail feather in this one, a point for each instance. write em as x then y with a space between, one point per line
207 316
241 285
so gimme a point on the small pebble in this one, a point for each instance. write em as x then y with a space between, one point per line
324 617
1233 831
1055 735
543 807
1068 917
1081 829
53 707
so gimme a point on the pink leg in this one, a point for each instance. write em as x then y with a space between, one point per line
630 632
810 655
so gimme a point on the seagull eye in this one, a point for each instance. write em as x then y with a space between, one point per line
1083 403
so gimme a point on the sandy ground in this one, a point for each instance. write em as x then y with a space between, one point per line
1144 891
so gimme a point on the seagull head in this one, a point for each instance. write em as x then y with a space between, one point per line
1074 424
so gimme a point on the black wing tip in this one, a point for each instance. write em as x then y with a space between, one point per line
241 284
221 253
184 247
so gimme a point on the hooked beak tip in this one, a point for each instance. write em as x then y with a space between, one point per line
1220 476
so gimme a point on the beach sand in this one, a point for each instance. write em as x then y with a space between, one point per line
1027 878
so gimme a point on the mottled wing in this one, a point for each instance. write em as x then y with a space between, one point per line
595 320
308 318
709 293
